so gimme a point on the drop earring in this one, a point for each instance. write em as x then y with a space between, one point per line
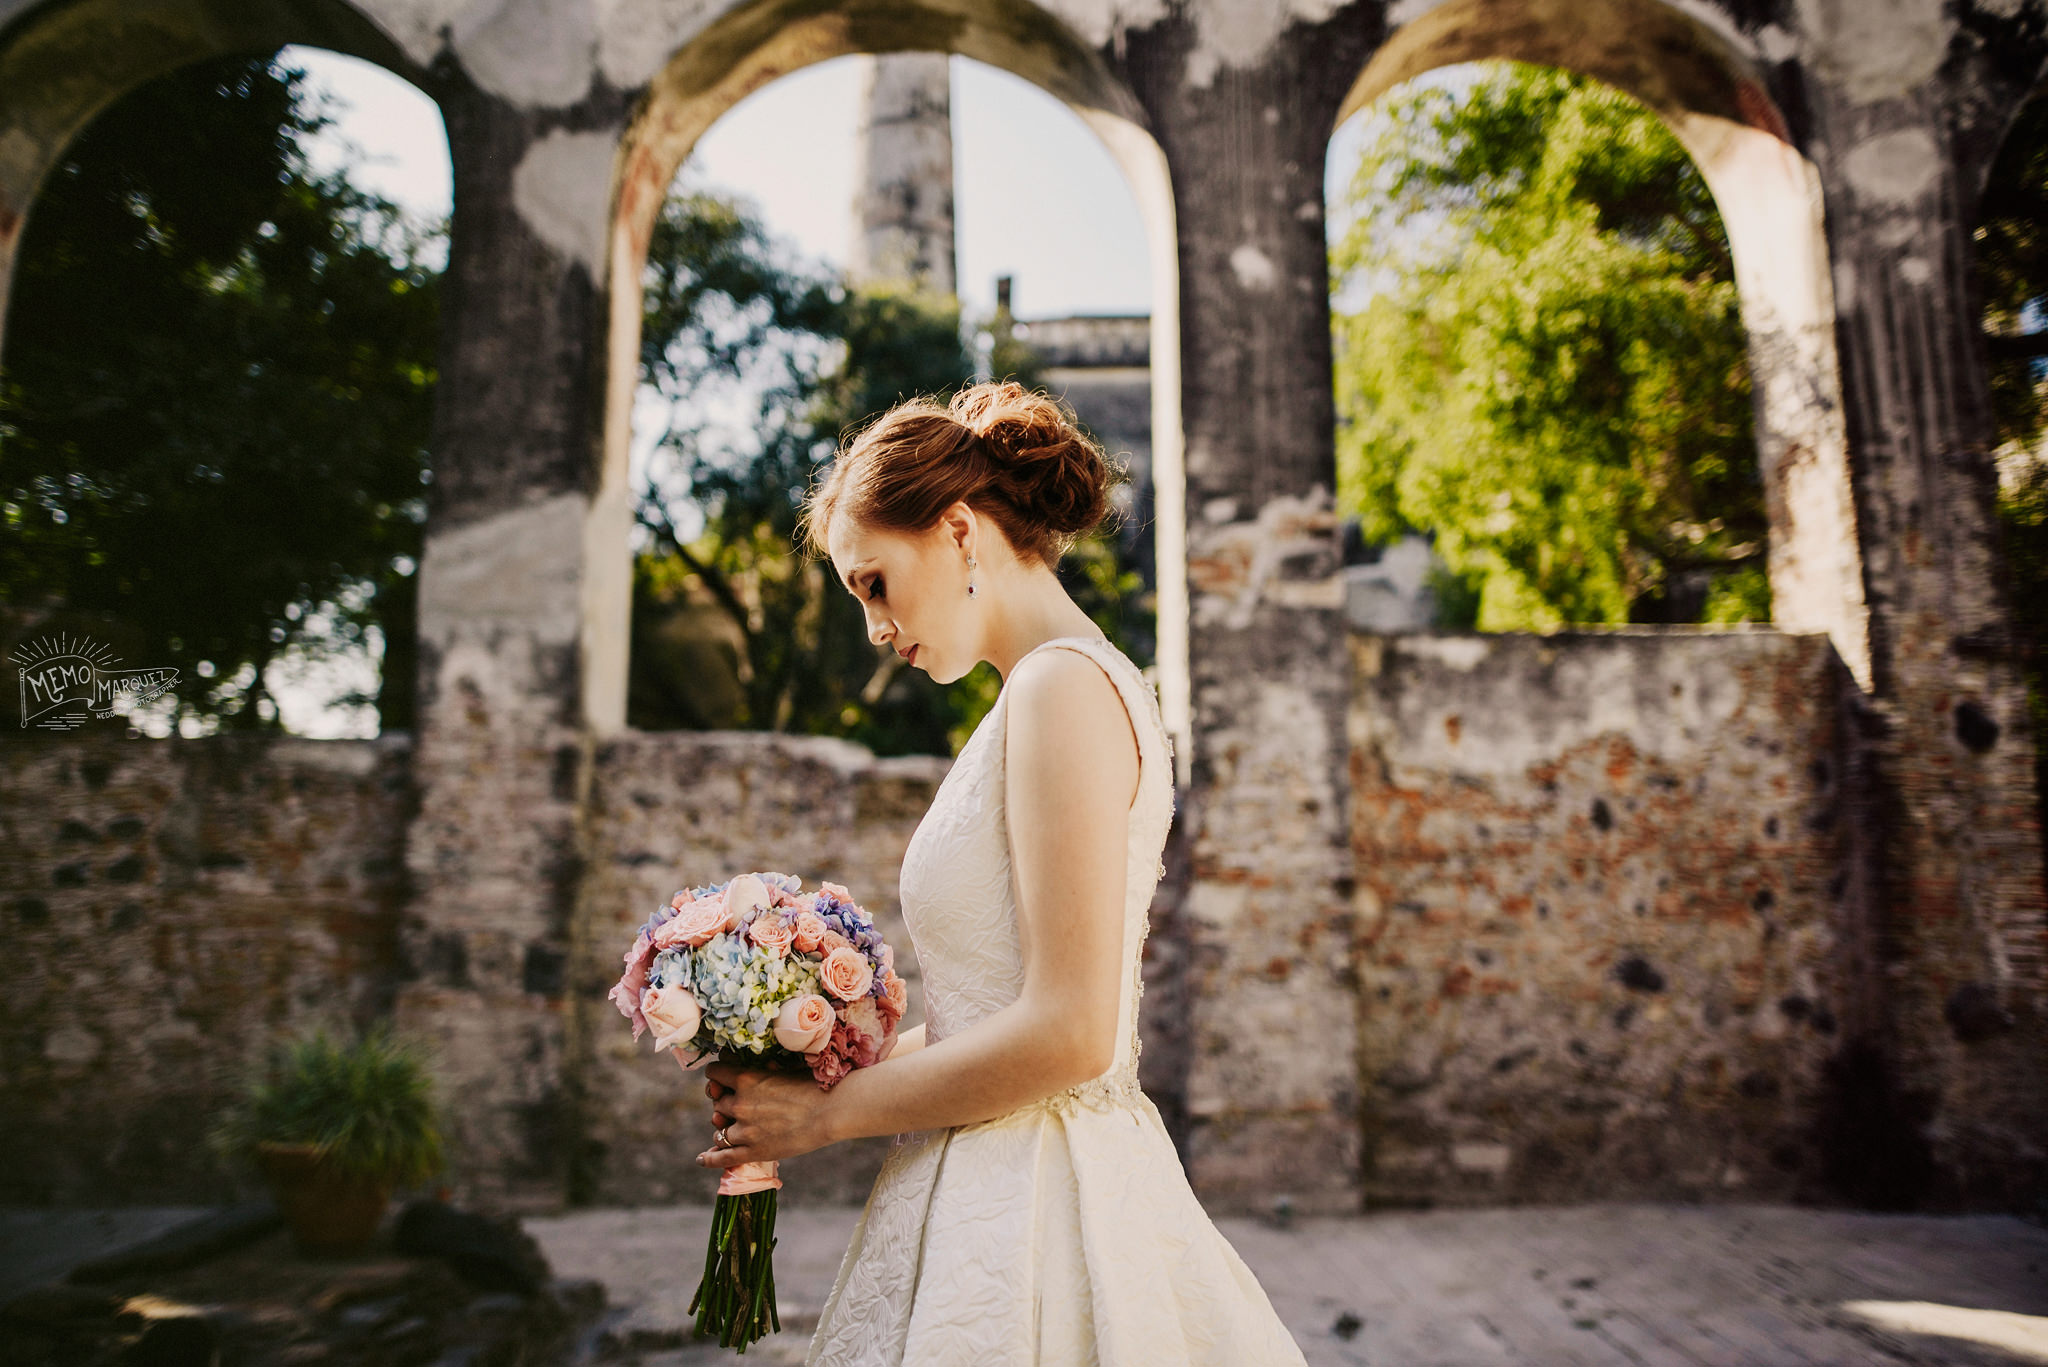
971 566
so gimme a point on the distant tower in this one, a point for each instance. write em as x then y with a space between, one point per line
903 184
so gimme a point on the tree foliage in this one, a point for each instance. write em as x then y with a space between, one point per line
2012 277
760 365
216 405
1549 372
2012 282
218 385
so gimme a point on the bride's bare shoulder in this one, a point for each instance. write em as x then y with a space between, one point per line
1067 715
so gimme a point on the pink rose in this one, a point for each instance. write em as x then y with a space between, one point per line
895 998
771 932
828 1065
859 1040
673 1013
804 1023
626 995
808 931
865 1031
846 973
841 893
832 940
693 924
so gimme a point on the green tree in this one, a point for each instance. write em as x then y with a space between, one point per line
1548 374
217 392
761 366
2012 277
2012 282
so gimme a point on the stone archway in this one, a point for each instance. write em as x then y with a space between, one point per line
753 47
1541 864
60 65
1769 196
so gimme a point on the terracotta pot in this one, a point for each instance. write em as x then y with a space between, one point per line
330 1214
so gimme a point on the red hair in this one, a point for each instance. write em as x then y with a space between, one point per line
1017 456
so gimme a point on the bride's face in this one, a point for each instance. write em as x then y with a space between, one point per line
913 589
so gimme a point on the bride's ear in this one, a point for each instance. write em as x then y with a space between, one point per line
958 525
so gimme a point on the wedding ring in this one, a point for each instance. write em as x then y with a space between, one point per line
722 1141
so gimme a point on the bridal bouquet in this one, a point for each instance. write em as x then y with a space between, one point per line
759 970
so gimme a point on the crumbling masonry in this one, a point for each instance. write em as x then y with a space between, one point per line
1450 918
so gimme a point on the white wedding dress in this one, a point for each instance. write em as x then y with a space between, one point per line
1063 1233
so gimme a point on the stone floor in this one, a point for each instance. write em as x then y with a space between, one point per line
1602 1286
1626 1286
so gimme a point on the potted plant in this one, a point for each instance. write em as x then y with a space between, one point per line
335 1127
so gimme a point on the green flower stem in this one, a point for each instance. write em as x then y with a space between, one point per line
737 1291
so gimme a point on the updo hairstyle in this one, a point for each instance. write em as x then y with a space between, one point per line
1015 455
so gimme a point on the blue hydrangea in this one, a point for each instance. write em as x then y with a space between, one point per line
742 987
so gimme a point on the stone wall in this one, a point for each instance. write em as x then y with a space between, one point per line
1604 936
173 905
1603 915
672 809
1846 149
169 906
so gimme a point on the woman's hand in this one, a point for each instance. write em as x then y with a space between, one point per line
767 1116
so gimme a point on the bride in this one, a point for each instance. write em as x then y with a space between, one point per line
1033 1209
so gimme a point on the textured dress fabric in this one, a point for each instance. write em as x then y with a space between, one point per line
1063 1232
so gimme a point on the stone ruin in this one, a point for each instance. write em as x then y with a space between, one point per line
1451 918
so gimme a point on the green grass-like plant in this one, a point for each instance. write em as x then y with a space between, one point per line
366 1104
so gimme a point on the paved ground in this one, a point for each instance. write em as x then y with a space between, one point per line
1626 1286
42 1245
1580 1286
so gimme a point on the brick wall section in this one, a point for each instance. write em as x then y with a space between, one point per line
1599 880
168 907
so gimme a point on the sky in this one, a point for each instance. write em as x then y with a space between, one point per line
1036 196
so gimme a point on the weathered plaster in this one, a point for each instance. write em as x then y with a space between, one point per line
537 53
1237 565
518 566
1254 269
1874 49
563 190
1894 169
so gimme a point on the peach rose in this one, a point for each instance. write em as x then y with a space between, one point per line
673 1013
804 1023
846 973
771 932
692 925
841 893
832 940
895 998
808 931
